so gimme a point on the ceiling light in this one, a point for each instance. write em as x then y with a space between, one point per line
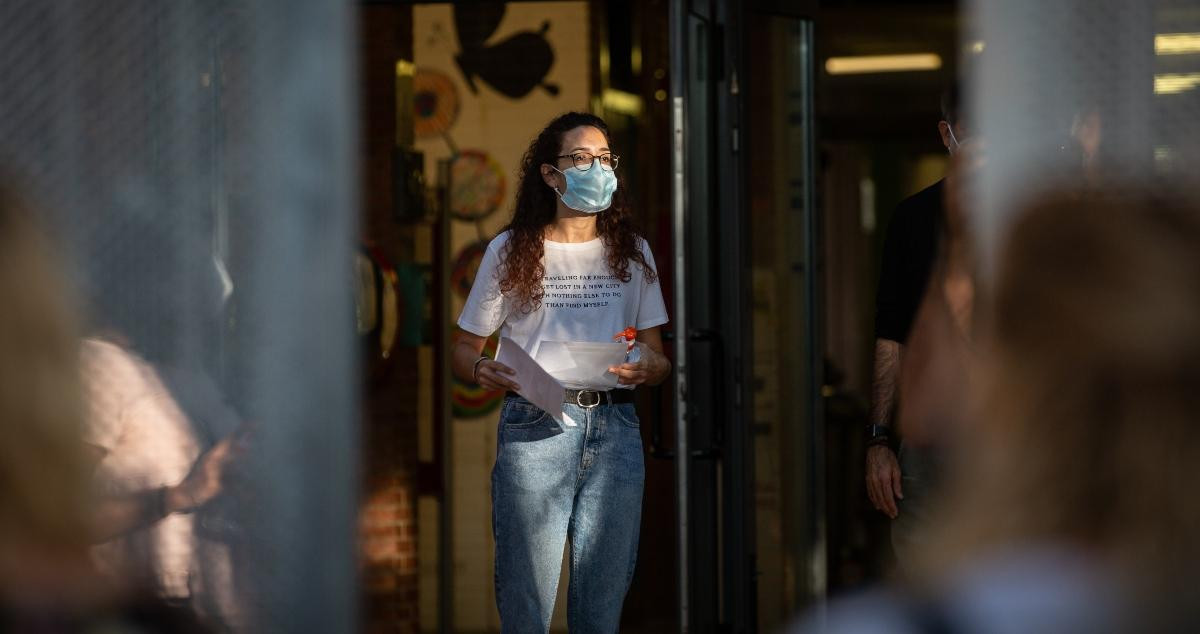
882 63
1176 43
1175 83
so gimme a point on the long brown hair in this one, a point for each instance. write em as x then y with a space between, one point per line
1089 387
43 472
522 267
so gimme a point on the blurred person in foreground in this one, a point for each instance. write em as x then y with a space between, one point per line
47 583
1070 509
152 476
156 423
902 475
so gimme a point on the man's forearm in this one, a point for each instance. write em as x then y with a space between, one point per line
887 375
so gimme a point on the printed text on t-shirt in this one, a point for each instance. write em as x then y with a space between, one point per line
581 291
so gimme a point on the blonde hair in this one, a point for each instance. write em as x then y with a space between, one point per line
1086 431
43 471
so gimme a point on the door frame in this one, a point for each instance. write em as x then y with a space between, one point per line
713 431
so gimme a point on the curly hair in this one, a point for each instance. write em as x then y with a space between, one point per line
523 267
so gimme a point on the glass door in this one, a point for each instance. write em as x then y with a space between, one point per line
785 413
749 447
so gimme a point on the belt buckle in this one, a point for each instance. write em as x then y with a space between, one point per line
579 399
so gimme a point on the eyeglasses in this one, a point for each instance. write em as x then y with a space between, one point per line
584 161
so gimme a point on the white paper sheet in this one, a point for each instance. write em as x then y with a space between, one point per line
583 365
537 386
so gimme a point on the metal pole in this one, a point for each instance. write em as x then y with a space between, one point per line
814 342
677 19
441 234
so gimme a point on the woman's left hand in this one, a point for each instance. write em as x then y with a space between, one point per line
652 368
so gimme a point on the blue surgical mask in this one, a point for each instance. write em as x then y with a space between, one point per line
590 190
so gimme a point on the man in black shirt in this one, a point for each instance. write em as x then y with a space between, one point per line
910 249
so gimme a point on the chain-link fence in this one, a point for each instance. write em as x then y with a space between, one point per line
1097 91
192 163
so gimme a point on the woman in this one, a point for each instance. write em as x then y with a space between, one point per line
1081 443
569 267
1070 506
48 516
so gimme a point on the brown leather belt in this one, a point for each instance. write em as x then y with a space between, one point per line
588 399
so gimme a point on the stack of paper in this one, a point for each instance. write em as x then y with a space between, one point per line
577 365
583 365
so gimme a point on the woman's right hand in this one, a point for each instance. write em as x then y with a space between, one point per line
494 375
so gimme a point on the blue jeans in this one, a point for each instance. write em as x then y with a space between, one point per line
552 483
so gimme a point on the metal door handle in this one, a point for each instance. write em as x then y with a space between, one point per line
716 447
657 450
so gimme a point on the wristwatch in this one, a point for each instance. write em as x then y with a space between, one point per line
878 435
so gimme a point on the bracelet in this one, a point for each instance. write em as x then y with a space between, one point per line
878 435
475 370
158 504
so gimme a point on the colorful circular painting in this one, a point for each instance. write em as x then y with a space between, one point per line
465 267
476 185
473 401
435 103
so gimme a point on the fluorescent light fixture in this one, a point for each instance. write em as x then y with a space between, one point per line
621 101
882 63
1175 83
1176 43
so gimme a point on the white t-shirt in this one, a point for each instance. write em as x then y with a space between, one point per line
148 442
583 300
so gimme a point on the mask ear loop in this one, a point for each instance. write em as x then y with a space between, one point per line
950 129
555 188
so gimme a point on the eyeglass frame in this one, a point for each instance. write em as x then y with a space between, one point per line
615 159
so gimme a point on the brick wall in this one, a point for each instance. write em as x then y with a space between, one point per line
388 517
